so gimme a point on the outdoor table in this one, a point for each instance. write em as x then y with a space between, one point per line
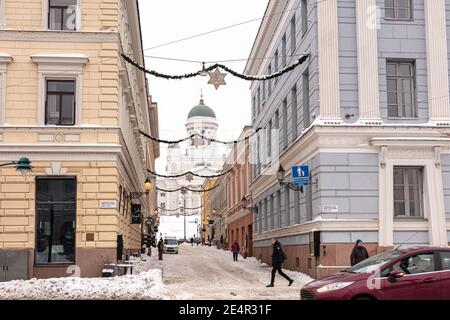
126 266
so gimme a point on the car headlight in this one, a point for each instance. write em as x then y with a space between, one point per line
334 286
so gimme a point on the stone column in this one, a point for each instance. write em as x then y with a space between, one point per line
437 63
328 46
367 44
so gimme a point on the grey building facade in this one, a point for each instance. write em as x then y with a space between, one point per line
369 112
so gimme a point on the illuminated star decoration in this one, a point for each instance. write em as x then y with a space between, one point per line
217 78
189 177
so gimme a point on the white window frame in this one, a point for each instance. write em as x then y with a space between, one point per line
45 12
5 59
2 14
406 186
60 67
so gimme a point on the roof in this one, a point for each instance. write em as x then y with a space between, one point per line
201 110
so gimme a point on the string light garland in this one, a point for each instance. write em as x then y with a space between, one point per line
171 142
178 214
189 172
185 188
215 66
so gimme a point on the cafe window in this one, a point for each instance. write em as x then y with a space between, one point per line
60 102
55 220
408 192
62 15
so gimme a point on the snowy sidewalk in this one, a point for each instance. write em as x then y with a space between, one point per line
195 273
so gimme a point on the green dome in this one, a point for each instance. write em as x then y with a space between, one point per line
201 110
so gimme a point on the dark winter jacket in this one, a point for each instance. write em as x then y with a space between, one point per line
235 247
358 254
278 255
160 246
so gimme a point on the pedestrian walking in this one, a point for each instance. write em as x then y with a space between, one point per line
235 249
278 257
160 248
359 253
192 241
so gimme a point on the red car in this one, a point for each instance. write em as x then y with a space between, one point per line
401 274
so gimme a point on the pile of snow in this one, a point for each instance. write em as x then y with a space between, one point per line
145 285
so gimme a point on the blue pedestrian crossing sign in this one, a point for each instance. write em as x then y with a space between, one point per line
300 175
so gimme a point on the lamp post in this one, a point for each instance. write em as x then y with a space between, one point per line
147 186
23 165
280 176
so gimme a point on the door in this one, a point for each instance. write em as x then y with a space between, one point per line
16 265
420 280
2 266
445 274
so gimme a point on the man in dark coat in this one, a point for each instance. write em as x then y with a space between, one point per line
160 248
359 253
278 258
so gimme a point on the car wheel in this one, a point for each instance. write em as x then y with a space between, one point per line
364 298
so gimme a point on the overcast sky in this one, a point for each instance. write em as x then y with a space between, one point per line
169 20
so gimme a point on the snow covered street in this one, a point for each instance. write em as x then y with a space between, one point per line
195 273
208 273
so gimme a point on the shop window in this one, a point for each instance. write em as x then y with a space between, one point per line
55 220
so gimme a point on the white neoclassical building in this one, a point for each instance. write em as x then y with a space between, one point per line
204 158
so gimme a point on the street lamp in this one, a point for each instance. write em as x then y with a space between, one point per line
23 165
147 186
280 176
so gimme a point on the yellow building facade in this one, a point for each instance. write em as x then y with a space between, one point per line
71 105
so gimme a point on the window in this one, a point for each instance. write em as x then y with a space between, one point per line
162 194
163 206
60 102
55 214
269 140
5 59
445 260
276 64
254 107
259 100
277 120
120 198
408 196
279 208
269 82
401 89
420 263
293 36
304 17
306 112
287 205
62 15
285 125
398 9
272 213
294 112
2 14
283 51
263 85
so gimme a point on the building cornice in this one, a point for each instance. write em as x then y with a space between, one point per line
66 58
59 36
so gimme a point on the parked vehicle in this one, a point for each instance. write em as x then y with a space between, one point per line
420 273
171 245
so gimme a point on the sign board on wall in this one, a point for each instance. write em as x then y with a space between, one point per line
108 204
136 213
328 208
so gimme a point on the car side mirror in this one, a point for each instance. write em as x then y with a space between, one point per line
395 274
